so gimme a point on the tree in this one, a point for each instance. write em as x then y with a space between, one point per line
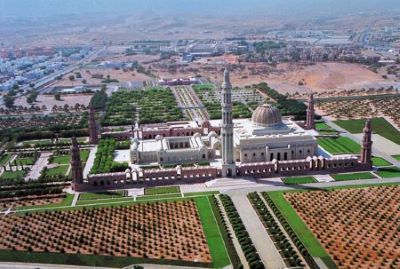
9 101
57 96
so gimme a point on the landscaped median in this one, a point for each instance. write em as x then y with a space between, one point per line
241 233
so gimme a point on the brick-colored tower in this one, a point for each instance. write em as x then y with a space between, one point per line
93 128
76 164
366 147
310 124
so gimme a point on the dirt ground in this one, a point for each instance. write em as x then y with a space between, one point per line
49 101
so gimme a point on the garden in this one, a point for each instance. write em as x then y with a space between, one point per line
104 161
298 180
353 176
153 105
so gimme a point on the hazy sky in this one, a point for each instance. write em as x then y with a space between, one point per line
39 8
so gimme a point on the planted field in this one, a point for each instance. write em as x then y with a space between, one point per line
358 227
340 145
298 180
56 171
153 105
379 126
353 176
162 190
170 231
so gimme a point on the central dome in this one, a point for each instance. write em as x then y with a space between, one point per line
266 116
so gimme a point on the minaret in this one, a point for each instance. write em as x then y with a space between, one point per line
228 163
310 124
366 147
76 164
93 130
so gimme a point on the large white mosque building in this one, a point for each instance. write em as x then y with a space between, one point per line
263 138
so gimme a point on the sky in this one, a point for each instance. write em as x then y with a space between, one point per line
43 8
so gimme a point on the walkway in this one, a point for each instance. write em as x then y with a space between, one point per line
263 243
89 162
37 168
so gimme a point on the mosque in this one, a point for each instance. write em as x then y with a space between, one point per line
263 138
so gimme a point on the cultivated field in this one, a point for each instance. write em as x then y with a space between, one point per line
164 230
357 227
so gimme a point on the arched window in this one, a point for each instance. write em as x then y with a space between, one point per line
285 156
279 156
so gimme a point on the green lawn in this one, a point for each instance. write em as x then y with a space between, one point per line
162 190
215 242
340 145
397 157
84 155
190 194
378 161
25 161
61 159
379 126
56 171
298 180
389 172
324 128
353 176
12 175
101 195
300 228
4 158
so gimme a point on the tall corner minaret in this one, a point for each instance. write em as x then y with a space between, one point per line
76 164
93 128
366 147
310 124
228 162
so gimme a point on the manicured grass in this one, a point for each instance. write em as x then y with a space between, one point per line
353 176
378 161
190 194
397 157
340 145
84 155
215 242
25 161
379 126
300 228
60 170
321 126
158 196
4 158
162 190
61 159
12 175
101 195
298 180
105 201
389 172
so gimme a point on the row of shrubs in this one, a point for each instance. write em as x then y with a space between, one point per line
28 192
274 230
230 246
292 234
241 233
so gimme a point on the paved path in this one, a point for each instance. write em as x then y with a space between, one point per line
263 243
90 162
37 168
76 197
